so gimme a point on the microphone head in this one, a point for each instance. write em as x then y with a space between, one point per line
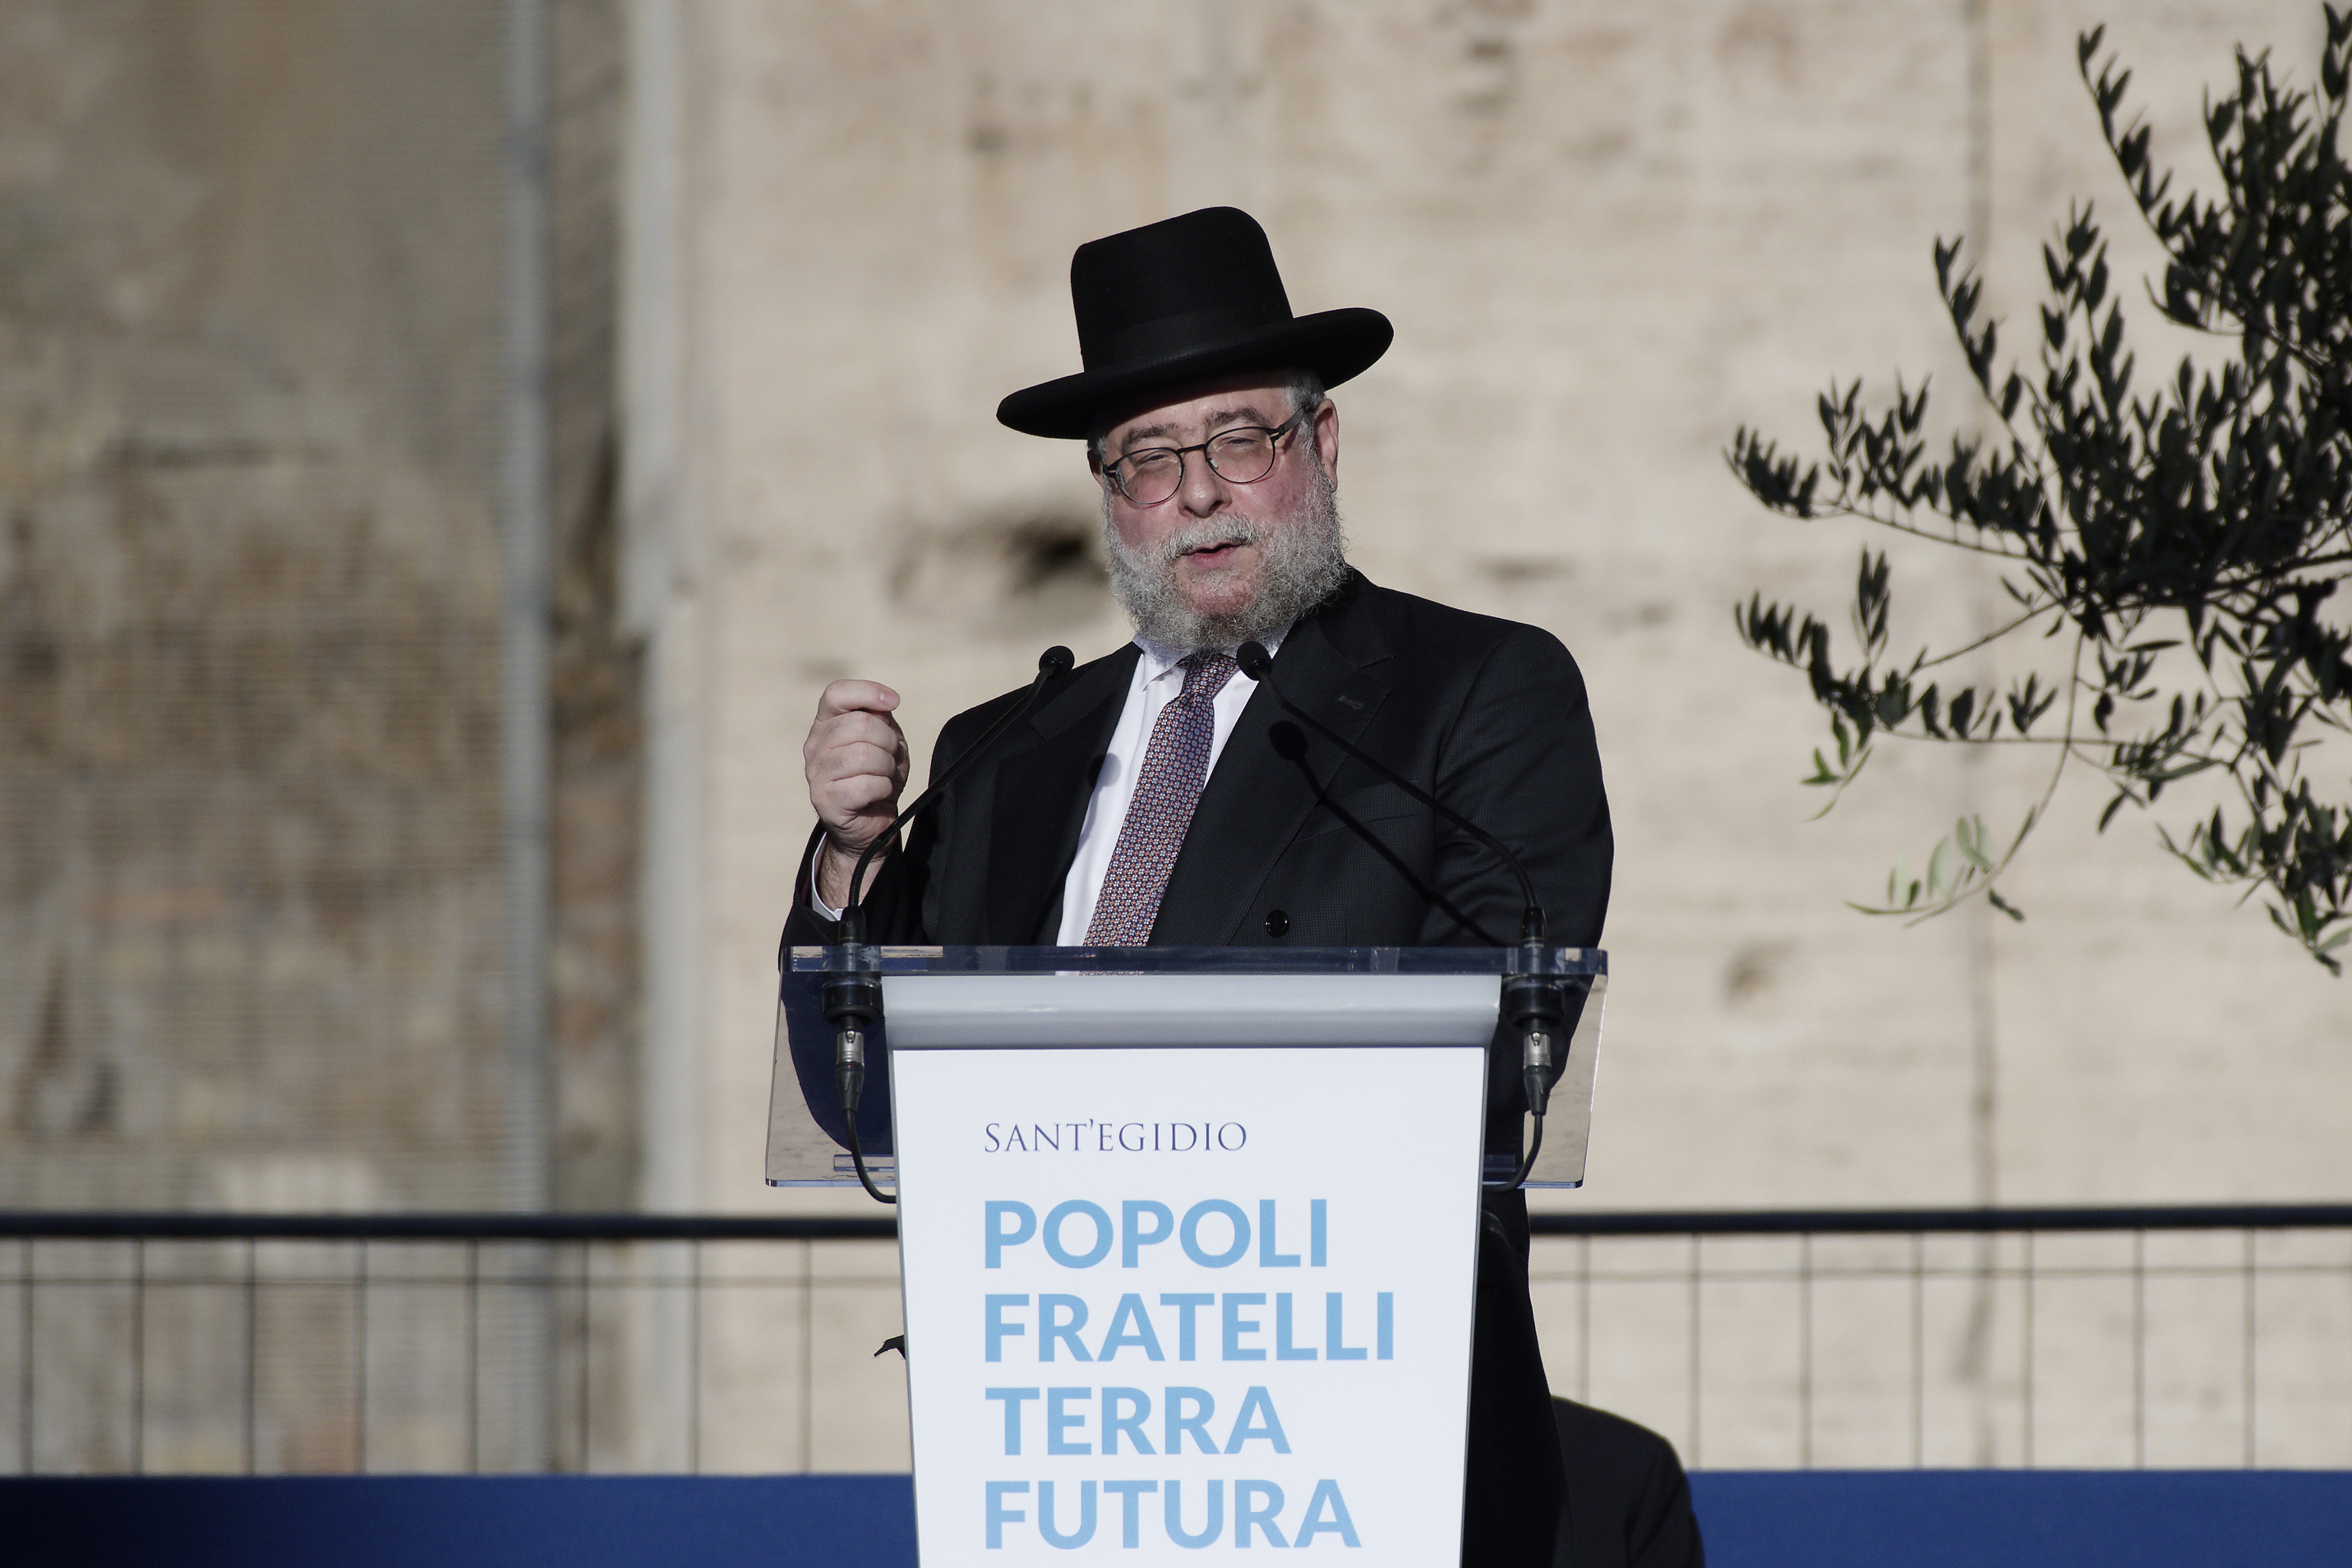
1253 660
1055 661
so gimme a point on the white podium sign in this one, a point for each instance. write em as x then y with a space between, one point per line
1167 1296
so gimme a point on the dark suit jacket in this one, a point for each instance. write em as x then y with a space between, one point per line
1629 1501
1488 715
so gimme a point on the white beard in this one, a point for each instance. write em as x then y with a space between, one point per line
1303 559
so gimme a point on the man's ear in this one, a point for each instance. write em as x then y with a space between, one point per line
1327 438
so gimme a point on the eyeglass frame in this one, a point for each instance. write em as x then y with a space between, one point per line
1274 433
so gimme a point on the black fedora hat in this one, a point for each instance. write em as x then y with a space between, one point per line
1178 301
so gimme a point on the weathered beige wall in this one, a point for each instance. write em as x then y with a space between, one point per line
250 590
251 935
1606 245
1608 236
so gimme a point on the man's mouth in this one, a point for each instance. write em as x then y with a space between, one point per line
1215 554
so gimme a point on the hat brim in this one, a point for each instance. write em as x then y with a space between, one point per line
1334 344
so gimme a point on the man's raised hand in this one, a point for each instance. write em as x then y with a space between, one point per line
856 759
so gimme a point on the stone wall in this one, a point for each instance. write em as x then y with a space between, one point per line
1609 237
250 873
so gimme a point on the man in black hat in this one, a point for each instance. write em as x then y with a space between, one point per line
1150 799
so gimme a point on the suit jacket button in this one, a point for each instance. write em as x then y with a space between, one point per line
1277 922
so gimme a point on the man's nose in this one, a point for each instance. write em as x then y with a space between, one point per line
1201 489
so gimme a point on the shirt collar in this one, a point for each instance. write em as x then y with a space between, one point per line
1158 661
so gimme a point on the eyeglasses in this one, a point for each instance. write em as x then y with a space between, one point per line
1242 456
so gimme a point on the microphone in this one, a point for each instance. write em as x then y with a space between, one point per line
1531 999
853 996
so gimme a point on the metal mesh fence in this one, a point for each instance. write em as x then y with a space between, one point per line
2116 1339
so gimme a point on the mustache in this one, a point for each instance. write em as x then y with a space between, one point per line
1207 533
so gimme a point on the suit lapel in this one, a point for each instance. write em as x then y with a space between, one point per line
1041 797
1336 665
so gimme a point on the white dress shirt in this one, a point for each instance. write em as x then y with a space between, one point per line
1159 676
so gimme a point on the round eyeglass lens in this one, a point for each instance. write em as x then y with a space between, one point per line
1150 478
1243 455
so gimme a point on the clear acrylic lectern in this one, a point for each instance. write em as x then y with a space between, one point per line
805 1146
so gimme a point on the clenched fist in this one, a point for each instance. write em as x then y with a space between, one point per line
856 759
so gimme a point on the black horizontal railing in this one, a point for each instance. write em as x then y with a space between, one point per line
1947 1222
182 1225
132 1225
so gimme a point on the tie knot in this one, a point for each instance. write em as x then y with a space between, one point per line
1205 675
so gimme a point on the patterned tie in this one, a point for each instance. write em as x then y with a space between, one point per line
1167 790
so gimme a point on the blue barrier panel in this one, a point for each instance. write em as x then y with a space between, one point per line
2024 1519
1822 1518
459 1521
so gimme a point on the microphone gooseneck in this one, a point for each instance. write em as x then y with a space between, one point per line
852 994
1259 666
1531 999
